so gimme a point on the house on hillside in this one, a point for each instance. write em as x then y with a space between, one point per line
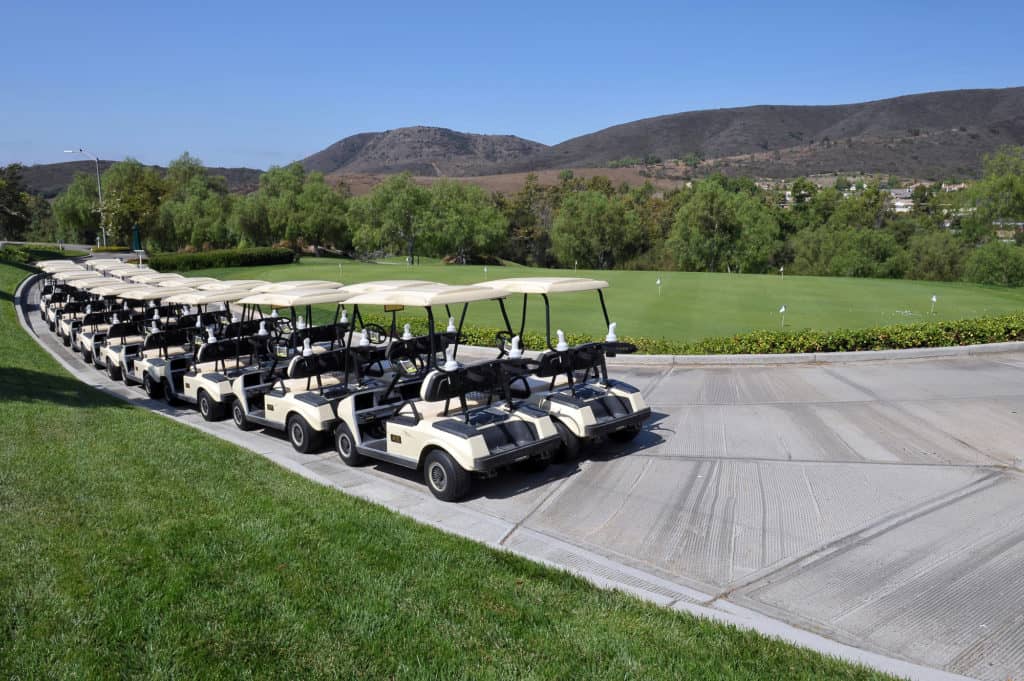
901 200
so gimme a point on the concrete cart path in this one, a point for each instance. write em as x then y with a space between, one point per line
872 510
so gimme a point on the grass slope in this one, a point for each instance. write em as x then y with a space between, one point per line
692 305
136 546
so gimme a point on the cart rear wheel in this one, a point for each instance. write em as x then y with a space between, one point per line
303 438
447 480
570 449
211 411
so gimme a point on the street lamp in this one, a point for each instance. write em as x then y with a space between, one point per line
99 187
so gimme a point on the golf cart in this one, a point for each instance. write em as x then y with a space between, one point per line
125 333
571 382
281 395
162 361
409 418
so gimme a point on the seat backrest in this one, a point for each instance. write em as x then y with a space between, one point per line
122 330
440 386
220 351
320 363
553 363
587 356
236 329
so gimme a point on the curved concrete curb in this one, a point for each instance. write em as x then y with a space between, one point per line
817 357
491 530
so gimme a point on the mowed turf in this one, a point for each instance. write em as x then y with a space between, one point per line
134 546
692 305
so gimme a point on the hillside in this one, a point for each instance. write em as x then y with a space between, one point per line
424 151
928 135
50 179
933 135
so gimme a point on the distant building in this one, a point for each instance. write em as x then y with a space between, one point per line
901 200
954 187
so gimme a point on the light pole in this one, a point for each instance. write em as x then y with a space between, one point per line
99 187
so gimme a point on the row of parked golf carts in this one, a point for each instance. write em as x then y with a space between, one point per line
249 350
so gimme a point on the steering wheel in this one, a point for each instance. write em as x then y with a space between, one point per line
407 350
375 333
503 341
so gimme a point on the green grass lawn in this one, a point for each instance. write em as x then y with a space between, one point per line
134 546
692 306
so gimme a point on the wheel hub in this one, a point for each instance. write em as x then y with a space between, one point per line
438 478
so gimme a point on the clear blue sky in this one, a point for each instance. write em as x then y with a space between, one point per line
261 84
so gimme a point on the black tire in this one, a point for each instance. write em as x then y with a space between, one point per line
302 436
571 446
211 410
113 372
345 444
238 416
168 391
86 356
626 434
66 340
151 387
446 479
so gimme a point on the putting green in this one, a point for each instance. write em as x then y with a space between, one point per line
691 305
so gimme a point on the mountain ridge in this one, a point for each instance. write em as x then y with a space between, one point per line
926 126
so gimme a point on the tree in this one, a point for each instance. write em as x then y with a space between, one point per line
995 263
999 195
15 214
77 210
249 221
131 196
847 252
320 214
758 242
393 216
196 209
705 229
462 220
934 256
590 228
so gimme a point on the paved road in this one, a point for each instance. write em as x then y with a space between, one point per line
876 504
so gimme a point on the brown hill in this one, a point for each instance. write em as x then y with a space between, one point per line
423 151
50 179
933 135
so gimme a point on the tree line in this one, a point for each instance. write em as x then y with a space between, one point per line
717 224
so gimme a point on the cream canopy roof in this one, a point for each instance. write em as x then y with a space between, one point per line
545 284
427 295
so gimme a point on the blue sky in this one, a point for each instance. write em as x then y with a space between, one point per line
262 84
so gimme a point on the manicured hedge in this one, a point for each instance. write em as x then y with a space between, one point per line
925 335
229 257
110 249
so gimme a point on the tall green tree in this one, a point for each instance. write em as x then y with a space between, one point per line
196 208
998 196
462 220
15 214
77 210
705 229
392 217
131 196
590 228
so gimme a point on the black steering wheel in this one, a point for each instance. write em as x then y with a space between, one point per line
375 333
503 341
